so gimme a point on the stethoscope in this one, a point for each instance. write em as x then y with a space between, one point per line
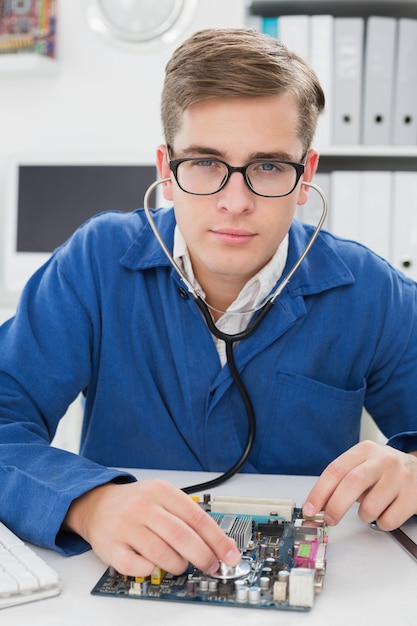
231 339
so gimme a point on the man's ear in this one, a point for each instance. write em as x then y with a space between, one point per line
164 171
312 162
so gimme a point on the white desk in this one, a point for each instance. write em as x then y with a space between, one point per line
370 579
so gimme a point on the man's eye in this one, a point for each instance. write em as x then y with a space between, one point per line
269 167
205 163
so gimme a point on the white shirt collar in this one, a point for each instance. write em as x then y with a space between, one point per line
252 296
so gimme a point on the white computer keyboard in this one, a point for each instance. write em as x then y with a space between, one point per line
24 576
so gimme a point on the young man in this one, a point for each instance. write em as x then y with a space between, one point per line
109 315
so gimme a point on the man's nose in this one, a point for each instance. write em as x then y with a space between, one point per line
236 196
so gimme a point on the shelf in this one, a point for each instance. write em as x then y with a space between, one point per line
381 158
27 62
353 8
390 151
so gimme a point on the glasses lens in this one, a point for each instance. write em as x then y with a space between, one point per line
201 176
271 178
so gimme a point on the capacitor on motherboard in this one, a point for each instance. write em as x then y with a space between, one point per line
262 550
264 582
266 571
190 587
242 593
254 595
283 576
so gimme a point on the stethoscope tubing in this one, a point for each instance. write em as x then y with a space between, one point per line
228 338
192 291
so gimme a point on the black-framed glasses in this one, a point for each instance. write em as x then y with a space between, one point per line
204 176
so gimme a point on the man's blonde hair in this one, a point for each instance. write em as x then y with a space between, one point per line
238 63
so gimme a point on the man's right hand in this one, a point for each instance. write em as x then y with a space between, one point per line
136 526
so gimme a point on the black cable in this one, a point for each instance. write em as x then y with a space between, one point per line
230 340
251 425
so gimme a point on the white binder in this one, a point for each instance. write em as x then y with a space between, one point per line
345 205
404 118
347 83
404 255
360 208
376 203
380 47
294 31
321 59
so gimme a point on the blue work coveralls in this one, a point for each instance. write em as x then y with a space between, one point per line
109 316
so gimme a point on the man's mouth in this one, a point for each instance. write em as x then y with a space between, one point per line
234 236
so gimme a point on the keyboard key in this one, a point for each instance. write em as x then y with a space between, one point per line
7 584
24 576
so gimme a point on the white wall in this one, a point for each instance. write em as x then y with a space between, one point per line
100 99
